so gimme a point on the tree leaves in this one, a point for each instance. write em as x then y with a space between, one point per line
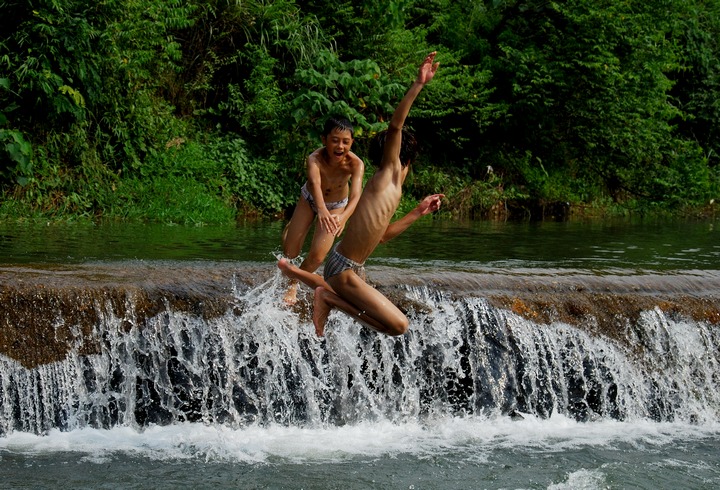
577 100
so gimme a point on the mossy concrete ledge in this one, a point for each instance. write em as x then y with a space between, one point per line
47 312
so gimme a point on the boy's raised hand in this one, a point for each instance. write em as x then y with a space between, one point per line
430 204
427 68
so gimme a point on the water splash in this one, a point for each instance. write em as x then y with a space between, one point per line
261 364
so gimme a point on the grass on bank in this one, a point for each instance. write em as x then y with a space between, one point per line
185 201
219 182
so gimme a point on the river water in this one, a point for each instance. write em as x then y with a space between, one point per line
640 245
384 433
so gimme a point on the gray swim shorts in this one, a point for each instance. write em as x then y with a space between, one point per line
337 263
329 205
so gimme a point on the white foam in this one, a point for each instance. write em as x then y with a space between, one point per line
581 480
475 437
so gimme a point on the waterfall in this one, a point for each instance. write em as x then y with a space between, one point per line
259 362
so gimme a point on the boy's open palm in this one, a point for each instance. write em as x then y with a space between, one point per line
427 68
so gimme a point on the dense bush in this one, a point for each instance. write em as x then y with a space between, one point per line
201 111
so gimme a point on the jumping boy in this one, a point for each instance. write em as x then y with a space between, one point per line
327 195
344 287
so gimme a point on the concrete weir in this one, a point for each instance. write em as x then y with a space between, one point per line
47 311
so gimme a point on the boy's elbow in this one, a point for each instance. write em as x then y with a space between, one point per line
387 236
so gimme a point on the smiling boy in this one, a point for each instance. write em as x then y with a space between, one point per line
331 192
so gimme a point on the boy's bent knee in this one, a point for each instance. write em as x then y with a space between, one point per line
398 328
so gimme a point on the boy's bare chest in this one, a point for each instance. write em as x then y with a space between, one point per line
335 176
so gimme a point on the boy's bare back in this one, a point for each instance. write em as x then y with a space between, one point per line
382 193
377 205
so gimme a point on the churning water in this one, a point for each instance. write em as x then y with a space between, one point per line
476 395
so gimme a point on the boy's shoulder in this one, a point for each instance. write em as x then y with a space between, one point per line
354 159
345 169
319 159
317 155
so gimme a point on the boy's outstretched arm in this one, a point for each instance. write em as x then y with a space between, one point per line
428 205
426 72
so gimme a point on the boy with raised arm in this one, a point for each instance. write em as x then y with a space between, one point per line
344 287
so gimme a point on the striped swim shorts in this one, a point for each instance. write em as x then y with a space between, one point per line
337 263
329 205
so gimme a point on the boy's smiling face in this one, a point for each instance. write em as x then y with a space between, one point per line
337 144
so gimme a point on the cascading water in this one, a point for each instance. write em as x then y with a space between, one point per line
260 363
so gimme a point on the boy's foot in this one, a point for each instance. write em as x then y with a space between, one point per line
321 310
284 266
290 297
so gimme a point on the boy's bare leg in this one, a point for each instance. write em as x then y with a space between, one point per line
293 238
321 244
297 274
323 303
321 310
290 297
296 230
369 306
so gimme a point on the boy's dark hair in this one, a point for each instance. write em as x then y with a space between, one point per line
408 148
337 122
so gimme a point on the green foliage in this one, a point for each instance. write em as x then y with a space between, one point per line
451 132
170 200
696 90
266 185
465 197
258 104
55 191
18 151
243 80
588 89
355 88
195 110
95 67
459 27
360 29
